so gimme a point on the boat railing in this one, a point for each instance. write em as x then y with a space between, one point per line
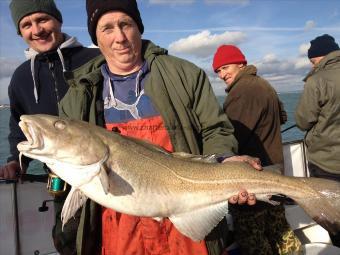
27 216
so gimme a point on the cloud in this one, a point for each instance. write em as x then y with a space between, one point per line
269 58
302 63
303 49
271 64
310 24
285 82
283 74
217 84
204 44
7 68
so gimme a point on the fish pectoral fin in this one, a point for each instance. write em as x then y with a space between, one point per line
104 180
74 200
199 223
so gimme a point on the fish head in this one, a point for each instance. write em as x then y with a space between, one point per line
51 139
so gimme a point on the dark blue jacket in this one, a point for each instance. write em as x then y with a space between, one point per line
51 88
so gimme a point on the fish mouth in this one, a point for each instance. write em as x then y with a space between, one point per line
34 140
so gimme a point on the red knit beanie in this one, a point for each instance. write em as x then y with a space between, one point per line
228 54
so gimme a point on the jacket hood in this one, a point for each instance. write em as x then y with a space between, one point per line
150 51
247 70
325 63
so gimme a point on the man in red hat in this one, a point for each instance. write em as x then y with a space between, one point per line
254 109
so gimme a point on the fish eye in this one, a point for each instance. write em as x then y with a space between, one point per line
59 124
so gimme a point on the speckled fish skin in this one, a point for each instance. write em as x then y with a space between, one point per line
140 179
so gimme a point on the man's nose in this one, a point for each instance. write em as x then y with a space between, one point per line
119 35
36 28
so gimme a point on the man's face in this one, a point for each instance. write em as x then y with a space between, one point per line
316 60
41 31
228 73
120 42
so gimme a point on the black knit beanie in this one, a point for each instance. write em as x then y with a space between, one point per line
96 8
22 8
321 46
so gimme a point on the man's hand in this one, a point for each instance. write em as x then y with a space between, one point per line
10 171
243 196
254 162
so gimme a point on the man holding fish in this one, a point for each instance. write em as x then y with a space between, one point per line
38 84
140 91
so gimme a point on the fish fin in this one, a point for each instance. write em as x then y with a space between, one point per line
199 223
324 206
184 155
74 200
267 198
276 168
104 180
192 157
159 219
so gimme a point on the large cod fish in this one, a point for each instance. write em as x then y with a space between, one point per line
139 179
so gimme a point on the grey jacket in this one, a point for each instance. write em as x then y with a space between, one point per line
318 113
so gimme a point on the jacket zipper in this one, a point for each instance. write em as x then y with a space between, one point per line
52 69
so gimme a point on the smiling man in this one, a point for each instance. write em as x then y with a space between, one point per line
255 111
41 31
38 85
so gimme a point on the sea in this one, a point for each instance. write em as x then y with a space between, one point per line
289 99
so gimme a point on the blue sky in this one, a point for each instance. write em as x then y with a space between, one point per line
273 34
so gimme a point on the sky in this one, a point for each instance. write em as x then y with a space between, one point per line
274 35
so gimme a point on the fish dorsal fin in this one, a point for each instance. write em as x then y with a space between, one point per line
74 200
199 223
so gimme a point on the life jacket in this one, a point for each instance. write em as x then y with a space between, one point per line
124 234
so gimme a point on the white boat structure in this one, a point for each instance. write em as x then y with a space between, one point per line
4 106
26 222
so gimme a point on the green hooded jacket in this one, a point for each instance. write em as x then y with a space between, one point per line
182 94
318 113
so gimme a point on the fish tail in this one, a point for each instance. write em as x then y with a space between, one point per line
324 204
